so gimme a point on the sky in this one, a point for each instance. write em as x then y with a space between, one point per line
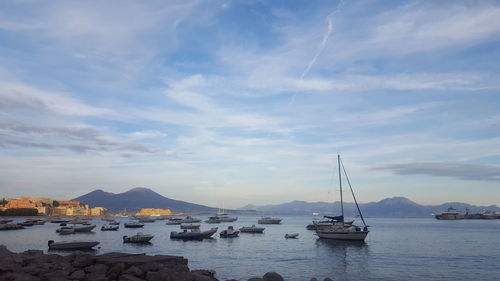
250 102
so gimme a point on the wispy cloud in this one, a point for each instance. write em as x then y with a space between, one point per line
458 171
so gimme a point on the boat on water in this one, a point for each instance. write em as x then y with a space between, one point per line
138 238
324 223
133 224
66 231
58 220
227 218
291 235
77 229
109 228
27 223
5 221
450 214
146 220
215 219
114 223
252 229
194 234
174 221
10 226
190 219
72 245
338 228
269 220
229 233
190 226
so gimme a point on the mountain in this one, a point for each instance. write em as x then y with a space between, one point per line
389 207
138 198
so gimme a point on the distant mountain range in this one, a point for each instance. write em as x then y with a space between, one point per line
137 198
140 197
389 207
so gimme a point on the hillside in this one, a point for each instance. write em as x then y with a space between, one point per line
138 198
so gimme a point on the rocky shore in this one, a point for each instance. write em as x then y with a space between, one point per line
34 265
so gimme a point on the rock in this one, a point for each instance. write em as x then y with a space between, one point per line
4 252
57 275
153 276
128 277
255 279
78 275
314 279
134 270
19 277
149 267
83 261
97 268
97 277
327 279
115 271
272 276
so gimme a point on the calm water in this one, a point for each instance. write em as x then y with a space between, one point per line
396 249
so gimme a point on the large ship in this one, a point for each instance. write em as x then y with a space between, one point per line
450 214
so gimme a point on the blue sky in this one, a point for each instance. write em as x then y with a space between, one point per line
250 101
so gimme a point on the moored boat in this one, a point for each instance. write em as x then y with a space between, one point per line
72 245
215 219
338 229
133 224
450 214
190 219
138 238
269 220
291 235
229 233
194 234
252 229
109 228
190 226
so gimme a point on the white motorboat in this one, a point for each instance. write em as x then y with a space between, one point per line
190 226
291 235
252 229
76 229
72 245
269 220
450 214
194 234
138 238
339 229
226 218
229 233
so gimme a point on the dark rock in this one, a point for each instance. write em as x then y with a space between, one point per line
128 277
153 276
314 279
134 270
272 276
83 260
77 275
327 279
115 271
150 267
97 268
255 279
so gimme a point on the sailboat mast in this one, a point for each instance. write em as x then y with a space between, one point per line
340 182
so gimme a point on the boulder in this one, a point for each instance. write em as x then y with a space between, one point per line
255 279
97 268
153 276
272 276
83 261
77 275
327 279
128 277
134 270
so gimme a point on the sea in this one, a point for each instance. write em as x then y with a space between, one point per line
395 249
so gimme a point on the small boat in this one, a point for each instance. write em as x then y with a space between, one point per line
138 238
174 221
10 226
27 223
59 220
292 236
133 225
77 229
190 219
215 219
66 231
269 220
194 234
229 233
147 220
190 226
114 223
226 218
73 245
5 221
108 220
252 229
317 224
109 228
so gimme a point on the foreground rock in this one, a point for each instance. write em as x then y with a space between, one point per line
35 265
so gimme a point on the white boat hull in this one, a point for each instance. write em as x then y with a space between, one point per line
343 235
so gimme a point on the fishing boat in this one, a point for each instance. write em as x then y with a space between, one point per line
338 228
269 220
229 233
72 245
138 238
291 235
252 229
190 219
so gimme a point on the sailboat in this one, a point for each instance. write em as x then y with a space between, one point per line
337 228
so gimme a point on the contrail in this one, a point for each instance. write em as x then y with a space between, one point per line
323 42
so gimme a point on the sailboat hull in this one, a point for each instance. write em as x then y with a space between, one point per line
343 235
